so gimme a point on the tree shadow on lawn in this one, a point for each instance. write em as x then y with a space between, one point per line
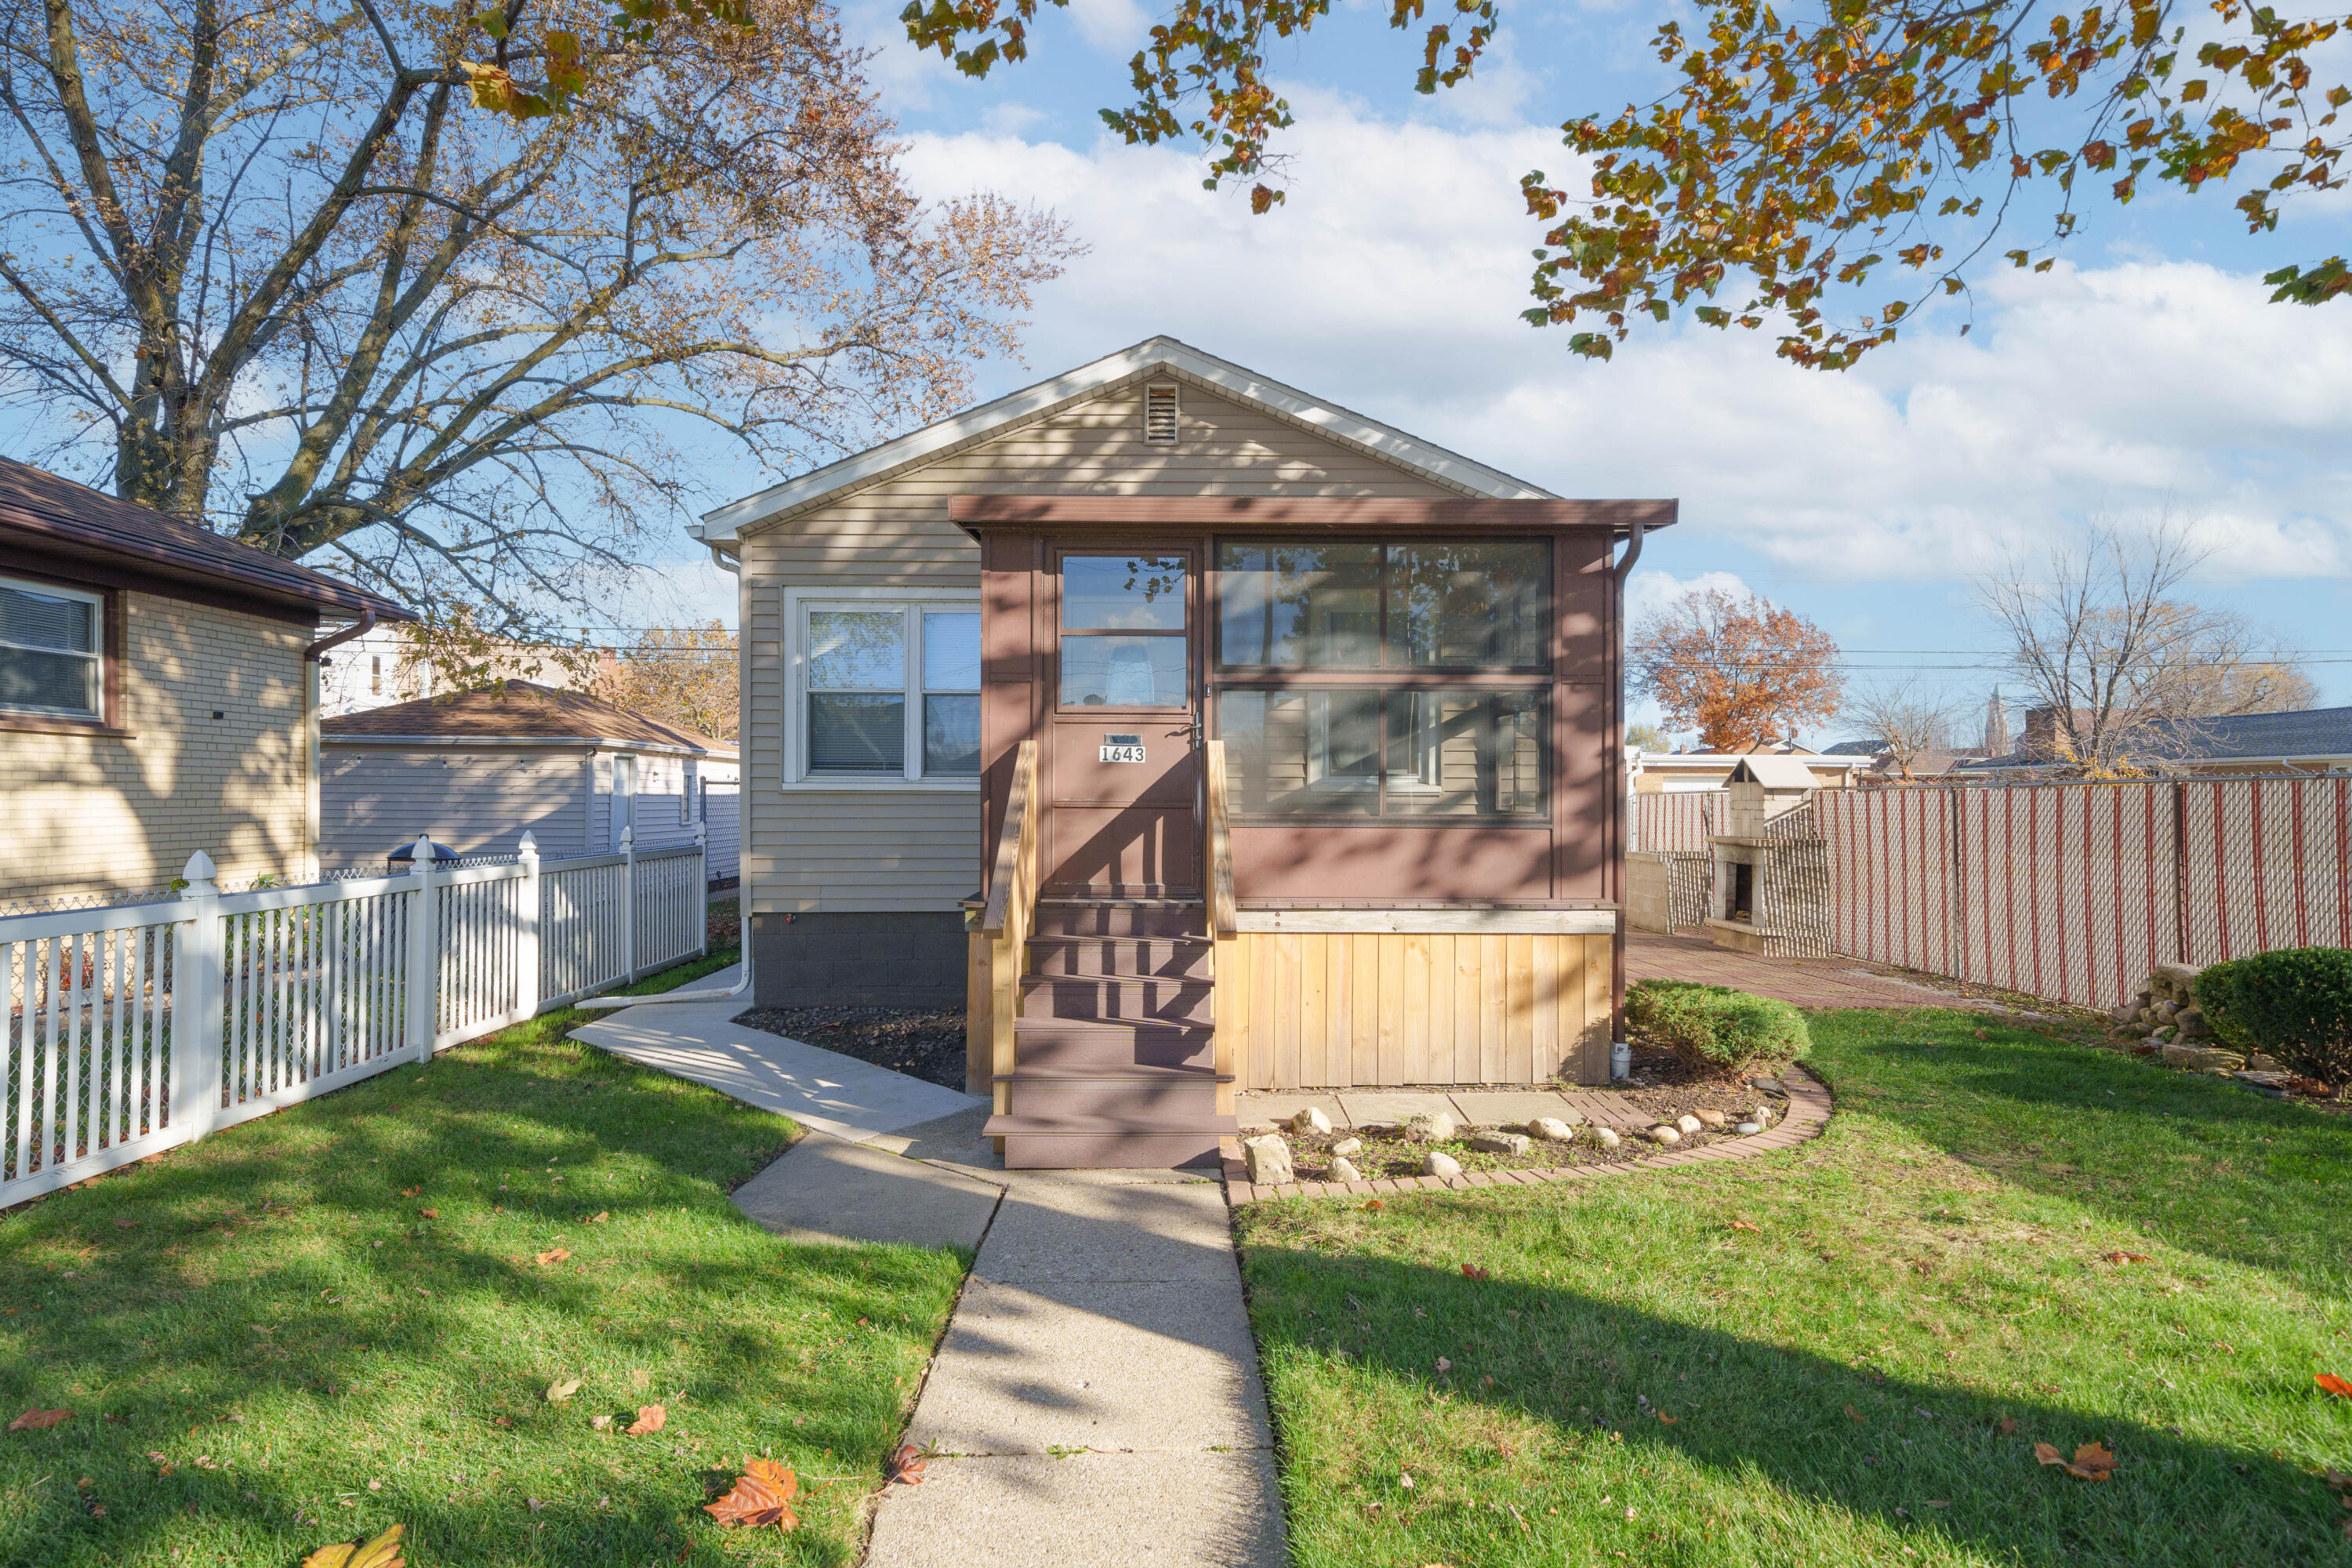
246 1317
1743 1410
2206 1165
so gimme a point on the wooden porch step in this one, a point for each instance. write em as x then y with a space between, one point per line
1098 1045
1121 1141
1157 958
1171 1099
1119 998
1121 917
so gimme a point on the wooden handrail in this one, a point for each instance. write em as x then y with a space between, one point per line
1223 917
1009 856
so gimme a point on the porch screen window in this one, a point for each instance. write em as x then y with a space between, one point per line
51 659
1437 752
1123 631
1474 603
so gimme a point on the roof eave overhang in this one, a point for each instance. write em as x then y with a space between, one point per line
722 526
558 742
68 538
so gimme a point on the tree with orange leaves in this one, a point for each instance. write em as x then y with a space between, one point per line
1741 670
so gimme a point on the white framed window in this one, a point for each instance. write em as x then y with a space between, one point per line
885 689
52 651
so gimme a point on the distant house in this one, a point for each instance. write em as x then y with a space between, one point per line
2306 740
475 769
157 693
1676 773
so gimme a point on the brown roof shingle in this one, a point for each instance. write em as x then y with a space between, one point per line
523 712
76 519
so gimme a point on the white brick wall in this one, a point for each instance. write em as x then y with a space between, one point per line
82 814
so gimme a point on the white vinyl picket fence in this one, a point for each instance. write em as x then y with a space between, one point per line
135 1027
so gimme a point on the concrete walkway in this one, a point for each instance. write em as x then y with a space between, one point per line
1801 982
1095 1399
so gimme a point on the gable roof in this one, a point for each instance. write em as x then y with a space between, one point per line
523 712
2305 734
724 524
1771 771
73 520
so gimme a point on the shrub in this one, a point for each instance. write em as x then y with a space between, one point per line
2294 1003
1715 1025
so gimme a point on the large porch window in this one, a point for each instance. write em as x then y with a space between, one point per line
1475 604
1437 752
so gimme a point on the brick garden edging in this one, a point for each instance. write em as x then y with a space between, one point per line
1809 1112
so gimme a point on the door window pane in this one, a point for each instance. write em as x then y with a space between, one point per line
863 732
857 650
1476 603
1302 753
1464 753
1123 592
1312 606
1123 672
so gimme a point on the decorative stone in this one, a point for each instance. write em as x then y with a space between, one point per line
1686 1125
1311 1120
2203 1059
1512 1143
1268 1159
2177 979
1551 1128
1747 1127
1347 1146
2126 1012
1769 1085
1341 1170
1436 1165
2137 1028
2194 1024
1663 1134
1606 1137
1710 1118
1434 1128
2166 1012
2261 1061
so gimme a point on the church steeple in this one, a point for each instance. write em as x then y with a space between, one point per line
1996 730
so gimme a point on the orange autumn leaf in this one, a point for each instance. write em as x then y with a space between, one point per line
762 1495
1375 1204
2126 1257
34 1420
383 1551
1743 1224
907 1464
1855 1415
2091 1462
1668 1420
599 1217
430 1213
650 1418
2334 1384
2008 1428
1472 1271
550 1258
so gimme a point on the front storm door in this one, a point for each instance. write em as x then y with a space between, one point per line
1123 755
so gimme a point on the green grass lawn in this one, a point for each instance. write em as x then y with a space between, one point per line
267 1346
1862 1375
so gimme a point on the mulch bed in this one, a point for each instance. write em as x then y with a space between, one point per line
921 1042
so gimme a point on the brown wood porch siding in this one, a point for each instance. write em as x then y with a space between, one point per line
1343 1010
899 849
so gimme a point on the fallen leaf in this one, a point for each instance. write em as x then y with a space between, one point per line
553 1256
2334 1384
430 1213
124 1223
600 1218
650 1418
557 1392
383 1551
907 1464
2008 1428
601 1422
1669 1420
1405 1481
1855 1415
2126 1256
34 1420
762 1495
2091 1462
1374 1203
1743 1224
410 1192
1472 1271
1443 1364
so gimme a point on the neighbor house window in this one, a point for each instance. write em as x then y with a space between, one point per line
52 651
889 691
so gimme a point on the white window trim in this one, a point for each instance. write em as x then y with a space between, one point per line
96 603
798 603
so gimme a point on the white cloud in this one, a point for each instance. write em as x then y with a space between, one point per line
1391 280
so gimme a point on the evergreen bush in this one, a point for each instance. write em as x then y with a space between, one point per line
1725 1029
2293 1003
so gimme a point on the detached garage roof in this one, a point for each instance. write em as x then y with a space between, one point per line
521 712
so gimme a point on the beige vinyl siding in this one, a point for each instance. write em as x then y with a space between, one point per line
895 849
478 802
109 814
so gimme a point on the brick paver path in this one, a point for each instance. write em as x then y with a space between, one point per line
1802 981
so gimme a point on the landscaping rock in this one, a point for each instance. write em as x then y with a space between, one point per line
1606 1137
1666 1135
1747 1127
1436 1128
2126 1012
2203 1058
1512 1143
1347 1146
1686 1125
2174 980
1268 1159
1710 1118
1311 1120
1341 1170
1436 1165
1552 1127
2137 1028
2194 1023
1769 1085
2166 1012
2263 1062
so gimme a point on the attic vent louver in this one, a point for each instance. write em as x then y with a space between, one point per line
1159 415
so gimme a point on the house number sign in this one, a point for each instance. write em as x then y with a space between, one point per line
1122 747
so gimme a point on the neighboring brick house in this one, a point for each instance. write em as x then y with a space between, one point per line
158 690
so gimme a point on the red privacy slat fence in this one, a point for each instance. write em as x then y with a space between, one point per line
2075 892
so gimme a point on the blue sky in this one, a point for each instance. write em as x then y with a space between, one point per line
2145 377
